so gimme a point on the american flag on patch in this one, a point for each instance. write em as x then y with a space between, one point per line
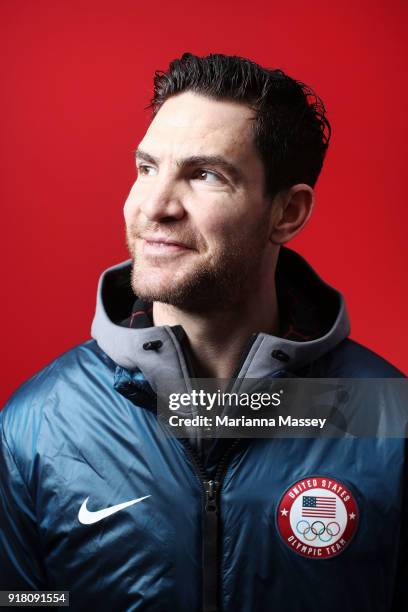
322 507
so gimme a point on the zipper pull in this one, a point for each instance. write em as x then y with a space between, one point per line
211 489
210 543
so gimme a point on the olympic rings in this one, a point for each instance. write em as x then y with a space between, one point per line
317 530
322 529
326 539
314 536
305 530
330 529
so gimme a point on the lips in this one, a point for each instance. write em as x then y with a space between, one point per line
162 245
164 240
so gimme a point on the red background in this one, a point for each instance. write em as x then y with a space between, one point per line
76 78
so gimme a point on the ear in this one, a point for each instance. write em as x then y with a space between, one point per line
291 210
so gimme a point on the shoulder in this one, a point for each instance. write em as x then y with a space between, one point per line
49 389
349 359
72 365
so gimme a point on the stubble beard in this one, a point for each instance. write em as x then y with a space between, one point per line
219 284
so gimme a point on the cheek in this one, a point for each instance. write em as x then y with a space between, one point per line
218 236
212 227
233 232
216 216
221 225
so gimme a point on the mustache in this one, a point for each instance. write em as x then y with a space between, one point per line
162 230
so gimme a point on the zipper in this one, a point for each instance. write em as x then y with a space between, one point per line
210 520
211 524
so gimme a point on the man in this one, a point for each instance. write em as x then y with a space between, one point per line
94 499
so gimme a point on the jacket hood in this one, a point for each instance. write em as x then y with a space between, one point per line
314 319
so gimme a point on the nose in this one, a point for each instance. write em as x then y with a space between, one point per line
162 201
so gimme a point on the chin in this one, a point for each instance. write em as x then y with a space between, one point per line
192 288
154 285
182 293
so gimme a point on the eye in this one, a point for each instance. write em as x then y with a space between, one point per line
146 170
207 176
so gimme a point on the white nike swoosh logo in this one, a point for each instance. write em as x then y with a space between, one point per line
87 517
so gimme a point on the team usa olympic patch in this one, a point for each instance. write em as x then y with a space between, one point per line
317 517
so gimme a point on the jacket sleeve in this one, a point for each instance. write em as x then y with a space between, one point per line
21 566
400 595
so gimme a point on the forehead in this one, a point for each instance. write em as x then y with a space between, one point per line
191 124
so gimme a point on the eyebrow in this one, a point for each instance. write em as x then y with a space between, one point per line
197 160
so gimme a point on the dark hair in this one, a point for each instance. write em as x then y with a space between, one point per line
291 131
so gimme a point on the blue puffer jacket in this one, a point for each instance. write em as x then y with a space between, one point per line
225 529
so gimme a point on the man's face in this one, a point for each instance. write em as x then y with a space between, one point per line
197 218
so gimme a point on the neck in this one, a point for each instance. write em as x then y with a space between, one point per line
218 338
